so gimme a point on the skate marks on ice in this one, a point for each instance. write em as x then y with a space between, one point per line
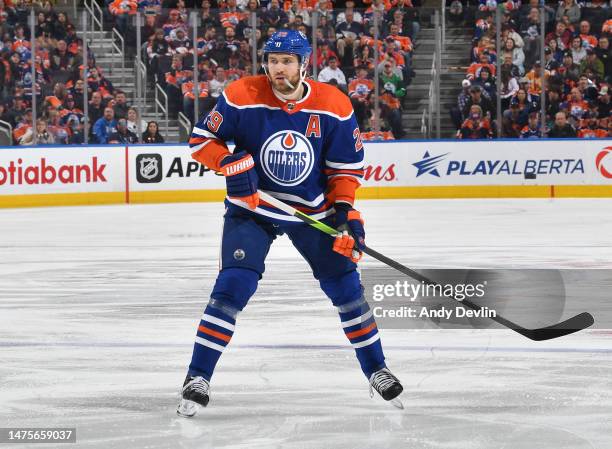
99 306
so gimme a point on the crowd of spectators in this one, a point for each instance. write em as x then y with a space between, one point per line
57 88
577 71
345 50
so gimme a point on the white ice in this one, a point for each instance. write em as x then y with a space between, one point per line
98 309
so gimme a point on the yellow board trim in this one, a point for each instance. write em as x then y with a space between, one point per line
420 192
62 199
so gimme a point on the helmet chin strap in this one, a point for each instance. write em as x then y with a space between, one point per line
296 91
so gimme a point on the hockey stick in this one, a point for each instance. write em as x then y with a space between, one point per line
569 326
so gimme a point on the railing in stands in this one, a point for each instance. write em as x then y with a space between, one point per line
141 71
184 127
97 17
159 92
6 130
120 52
424 123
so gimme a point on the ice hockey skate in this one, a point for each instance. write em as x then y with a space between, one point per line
195 394
387 385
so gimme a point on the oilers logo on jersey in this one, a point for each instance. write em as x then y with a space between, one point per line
287 157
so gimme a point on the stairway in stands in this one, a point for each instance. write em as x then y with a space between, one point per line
455 54
100 44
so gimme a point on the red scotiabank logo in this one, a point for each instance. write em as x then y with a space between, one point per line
600 164
380 173
42 173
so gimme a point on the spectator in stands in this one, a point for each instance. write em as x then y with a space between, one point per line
274 15
569 71
210 17
476 98
456 111
188 90
576 106
603 54
120 106
509 88
578 50
95 108
324 53
473 70
603 103
178 42
96 82
370 133
553 103
43 136
173 82
122 10
588 89
174 21
562 36
332 71
216 87
58 129
456 14
63 63
487 84
530 31
299 9
532 130
152 135
220 52
570 9
550 63
360 89
518 56
561 128
589 127
593 63
409 17
348 33
476 126
134 123
365 58
105 126
588 40
122 134
392 91
534 77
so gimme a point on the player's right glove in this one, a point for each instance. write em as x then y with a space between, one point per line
241 178
350 223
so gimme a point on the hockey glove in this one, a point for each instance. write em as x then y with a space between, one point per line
352 239
241 178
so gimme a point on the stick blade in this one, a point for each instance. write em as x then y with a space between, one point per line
567 327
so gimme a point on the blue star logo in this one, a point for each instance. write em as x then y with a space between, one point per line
429 164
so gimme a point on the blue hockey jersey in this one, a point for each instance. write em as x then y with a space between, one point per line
307 153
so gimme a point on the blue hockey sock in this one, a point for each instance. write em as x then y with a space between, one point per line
214 333
360 328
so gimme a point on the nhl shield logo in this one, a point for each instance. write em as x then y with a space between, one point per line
149 168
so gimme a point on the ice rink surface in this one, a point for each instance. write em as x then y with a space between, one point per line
98 309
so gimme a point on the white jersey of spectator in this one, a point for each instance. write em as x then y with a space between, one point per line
578 54
138 130
328 74
216 87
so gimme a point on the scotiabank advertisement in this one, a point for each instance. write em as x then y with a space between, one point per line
460 163
43 170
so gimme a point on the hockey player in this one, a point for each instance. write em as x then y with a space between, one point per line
297 140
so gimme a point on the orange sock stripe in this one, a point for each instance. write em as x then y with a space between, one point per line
360 332
219 335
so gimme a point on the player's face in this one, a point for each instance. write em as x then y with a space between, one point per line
283 67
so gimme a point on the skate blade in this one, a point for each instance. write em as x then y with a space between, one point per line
187 409
397 402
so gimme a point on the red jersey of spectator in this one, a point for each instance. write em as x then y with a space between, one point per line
20 45
119 7
607 26
396 55
323 55
380 135
187 89
586 132
360 88
577 108
370 41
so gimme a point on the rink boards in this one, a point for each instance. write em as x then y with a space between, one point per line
110 174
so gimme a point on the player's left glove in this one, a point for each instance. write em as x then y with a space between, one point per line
350 223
